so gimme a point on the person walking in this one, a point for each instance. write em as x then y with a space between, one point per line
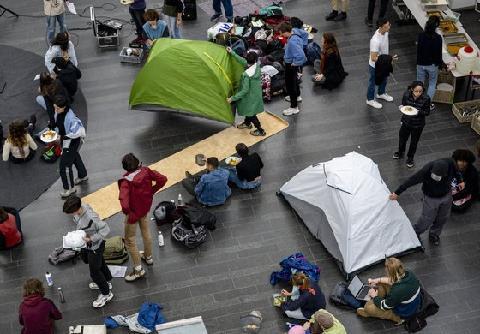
371 9
72 132
248 99
55 12
339 10
227 6
294 59
378 46
137 187
429 56
36 313
173 9
436 178
96 231
137 11
412 125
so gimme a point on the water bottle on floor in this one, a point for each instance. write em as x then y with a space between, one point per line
49 278
161 242
60 295
180 200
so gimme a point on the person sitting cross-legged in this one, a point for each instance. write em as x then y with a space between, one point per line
396 296
211 187
246 174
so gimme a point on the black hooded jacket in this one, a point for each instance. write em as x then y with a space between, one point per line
383 68
69 78
422 104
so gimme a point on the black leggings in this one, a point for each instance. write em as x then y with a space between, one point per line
137 16
414 134
371 9
70 157
99 271
253 120
292 84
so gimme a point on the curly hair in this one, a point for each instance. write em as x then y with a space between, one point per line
464 155
33 286
151 15
17 135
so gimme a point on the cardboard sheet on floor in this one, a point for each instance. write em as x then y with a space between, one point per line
221 145
183 326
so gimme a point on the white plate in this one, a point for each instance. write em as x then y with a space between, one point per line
48 140
233 161
409 111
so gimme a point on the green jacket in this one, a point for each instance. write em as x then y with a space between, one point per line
249 96
337 327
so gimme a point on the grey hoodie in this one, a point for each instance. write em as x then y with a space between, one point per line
93 226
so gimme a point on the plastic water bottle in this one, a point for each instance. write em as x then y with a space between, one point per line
49 278
180 200
161 242
60 295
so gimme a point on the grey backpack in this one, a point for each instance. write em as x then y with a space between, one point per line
60 255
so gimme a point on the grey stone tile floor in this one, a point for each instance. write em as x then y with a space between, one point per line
228 276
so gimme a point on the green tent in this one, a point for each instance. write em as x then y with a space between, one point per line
192 77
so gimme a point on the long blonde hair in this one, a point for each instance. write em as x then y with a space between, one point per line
394 268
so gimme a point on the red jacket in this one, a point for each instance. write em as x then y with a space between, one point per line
136 192
11 235
37 314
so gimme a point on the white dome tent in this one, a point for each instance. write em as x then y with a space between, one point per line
344 203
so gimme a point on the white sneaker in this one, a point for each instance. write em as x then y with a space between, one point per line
374 104
385 97
291 111
102 300
79 180
287 98
67 192
94 286
148 260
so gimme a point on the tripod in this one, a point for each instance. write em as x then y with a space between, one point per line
3 9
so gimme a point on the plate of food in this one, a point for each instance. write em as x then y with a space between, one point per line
233 161
409 111
48 136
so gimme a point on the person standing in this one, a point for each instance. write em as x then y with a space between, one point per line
378 46
96 231
371 9
294 59
71 131
55 12
137 187
429 55
412 126
227 6
436 178
173 9
137 11
248 99
339 10
37 313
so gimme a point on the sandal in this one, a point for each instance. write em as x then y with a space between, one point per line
244 126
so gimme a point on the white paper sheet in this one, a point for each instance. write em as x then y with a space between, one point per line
117 271
71 8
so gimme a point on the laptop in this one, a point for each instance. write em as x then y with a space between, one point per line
358 289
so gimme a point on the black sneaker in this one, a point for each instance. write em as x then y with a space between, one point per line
215 16
368 22
397 155
341 17
432 107
434 240
410 163
332 15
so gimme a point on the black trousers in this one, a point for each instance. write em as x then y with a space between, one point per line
292 84
137 16
253 120
371 9
71 157
414 134
99 271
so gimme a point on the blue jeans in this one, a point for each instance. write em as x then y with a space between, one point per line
432 72
173 28
371 84
51 26
227 5
242 184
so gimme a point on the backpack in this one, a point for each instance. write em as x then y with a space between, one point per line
51 153
415 324
191 237
165 213
342 297
61 254
115 251
193 216
312 52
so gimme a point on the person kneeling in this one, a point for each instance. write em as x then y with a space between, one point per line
310 298
211 188
330 71
10 228
246 174
396 297
96 231
463 198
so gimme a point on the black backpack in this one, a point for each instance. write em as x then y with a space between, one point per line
165 213
193 216
336 297
189 10
191 236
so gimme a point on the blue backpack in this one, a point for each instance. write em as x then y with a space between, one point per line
312 52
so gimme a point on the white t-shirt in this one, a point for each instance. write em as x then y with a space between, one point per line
379 44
